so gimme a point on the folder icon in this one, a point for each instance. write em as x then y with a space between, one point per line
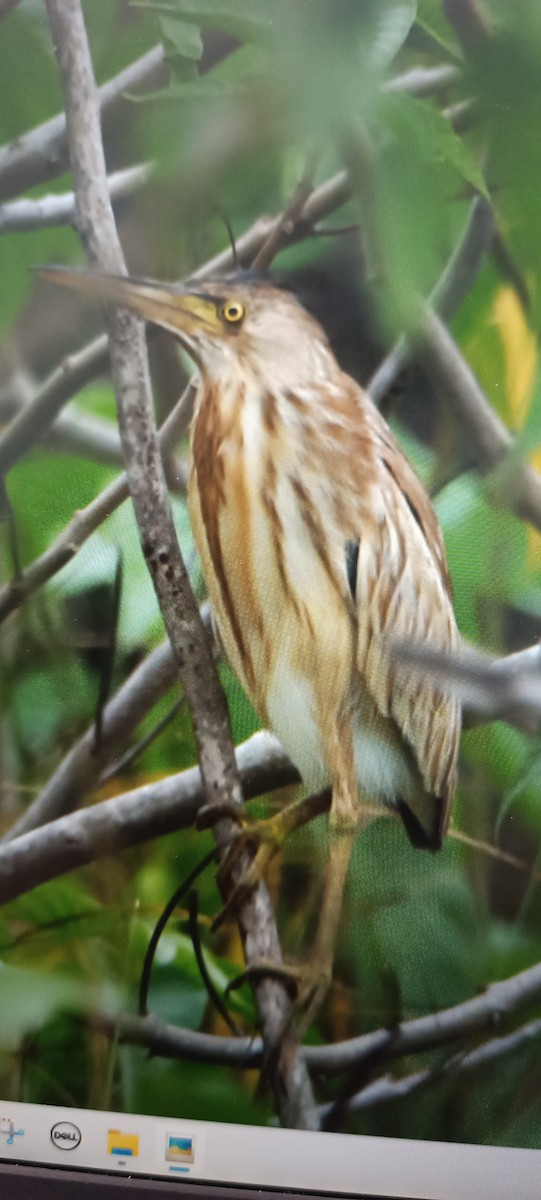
126 1145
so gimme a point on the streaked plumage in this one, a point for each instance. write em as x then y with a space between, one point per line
296 481
319 547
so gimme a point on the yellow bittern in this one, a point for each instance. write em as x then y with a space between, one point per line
319 548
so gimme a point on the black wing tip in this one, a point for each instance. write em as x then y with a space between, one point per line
420 837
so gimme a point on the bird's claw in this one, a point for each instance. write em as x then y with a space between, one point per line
263 837
307 984
209 815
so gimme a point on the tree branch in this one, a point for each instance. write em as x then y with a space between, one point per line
449 294
75 431
387 1089
500 1002
42 153
518 487
148 489
86 520
23 216
172 1041
506 689
151 811
82 766
32 422
425 81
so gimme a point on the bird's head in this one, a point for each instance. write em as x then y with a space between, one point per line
241 321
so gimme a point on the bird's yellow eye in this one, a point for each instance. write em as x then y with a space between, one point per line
233 311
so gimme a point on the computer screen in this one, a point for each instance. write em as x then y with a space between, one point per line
270 594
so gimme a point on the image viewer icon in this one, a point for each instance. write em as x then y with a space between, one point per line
179 1148
125 1145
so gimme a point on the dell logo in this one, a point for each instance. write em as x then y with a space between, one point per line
65 1136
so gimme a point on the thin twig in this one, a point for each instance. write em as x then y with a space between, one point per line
284 229
86 520
23 216
31 423
95 222
515 486
7 515
449 293
143 744
425 81
74 431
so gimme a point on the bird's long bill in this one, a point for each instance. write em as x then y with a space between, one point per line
181 311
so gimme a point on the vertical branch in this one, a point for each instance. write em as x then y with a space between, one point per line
96 226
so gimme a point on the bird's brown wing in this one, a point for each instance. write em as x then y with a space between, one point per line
403 594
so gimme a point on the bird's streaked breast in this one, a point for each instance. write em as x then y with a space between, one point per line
282 485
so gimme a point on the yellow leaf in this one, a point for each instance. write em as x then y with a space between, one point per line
520 354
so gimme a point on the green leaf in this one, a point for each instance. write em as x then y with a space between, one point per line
436 140
96 563
247 20
431 18
29 999
394 21
181 39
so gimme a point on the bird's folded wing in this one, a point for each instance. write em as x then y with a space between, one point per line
403 594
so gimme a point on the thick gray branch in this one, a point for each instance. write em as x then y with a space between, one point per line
43 152
171 1041
147 812
496 688
452 1026
499 1003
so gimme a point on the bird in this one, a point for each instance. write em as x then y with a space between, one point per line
321 551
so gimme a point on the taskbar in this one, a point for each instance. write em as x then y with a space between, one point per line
264 1158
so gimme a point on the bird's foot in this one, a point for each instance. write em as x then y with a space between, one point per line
307 984
261 838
